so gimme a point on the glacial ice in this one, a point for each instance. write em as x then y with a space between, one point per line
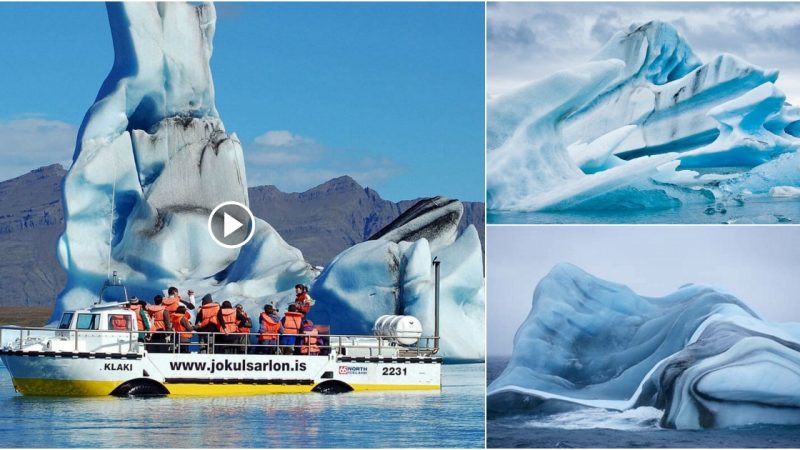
700 355
154 146
630 129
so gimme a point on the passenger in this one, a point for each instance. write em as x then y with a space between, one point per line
174 300
292 324
245 325
207 321
159 318
269 331
303 302
142 322
184 328
309 345
229 320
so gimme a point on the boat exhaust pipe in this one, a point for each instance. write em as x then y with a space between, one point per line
436 263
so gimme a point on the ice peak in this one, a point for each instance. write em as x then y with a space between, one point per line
161 67
654 50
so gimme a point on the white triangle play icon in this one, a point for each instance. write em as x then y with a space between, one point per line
229 225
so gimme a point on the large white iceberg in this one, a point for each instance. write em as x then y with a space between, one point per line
700 355
630 128
153 159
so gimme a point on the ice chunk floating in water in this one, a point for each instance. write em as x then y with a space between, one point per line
154 147
635 127
699 355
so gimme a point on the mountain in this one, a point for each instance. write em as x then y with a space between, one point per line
321 222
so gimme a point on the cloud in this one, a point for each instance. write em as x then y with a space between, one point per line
527 41
296 163
31 140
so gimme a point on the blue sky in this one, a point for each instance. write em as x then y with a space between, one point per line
759 265
391 94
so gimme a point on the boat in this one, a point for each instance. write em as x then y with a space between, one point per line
97 351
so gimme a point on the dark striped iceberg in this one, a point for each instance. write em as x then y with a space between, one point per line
699 354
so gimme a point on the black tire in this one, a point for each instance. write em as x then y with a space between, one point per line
142 388
332 387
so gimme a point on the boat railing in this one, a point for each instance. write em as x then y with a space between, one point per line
134 341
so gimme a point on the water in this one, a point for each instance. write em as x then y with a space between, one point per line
774 211
637 428
453 417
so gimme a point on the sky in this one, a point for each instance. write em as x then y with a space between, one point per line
759 265
390 94
527 41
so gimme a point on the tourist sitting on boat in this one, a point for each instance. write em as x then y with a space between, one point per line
292 324
229 320
207 320
303 301
269 331
142 321
309 344
245 325
184 328
159 318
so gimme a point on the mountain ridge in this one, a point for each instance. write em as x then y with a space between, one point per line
321 222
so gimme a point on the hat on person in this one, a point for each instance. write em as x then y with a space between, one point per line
134 300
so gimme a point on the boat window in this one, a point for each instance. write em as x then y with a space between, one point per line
88 321
119 322
66 319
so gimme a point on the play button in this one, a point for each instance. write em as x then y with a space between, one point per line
231 224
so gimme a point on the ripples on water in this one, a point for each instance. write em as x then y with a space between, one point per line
453 417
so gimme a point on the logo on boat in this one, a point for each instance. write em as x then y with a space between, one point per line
352 370
118 366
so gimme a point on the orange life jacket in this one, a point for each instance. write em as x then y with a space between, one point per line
244 329
270 326
156 313
209 311
177 325
137 311
292 323
171 303
310 346
229 319
302 302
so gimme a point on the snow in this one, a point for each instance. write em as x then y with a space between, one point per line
155 144
700 355
645 94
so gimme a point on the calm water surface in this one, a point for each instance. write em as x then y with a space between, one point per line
453 417
776 211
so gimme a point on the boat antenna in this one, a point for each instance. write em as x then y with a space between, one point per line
111 218
436 263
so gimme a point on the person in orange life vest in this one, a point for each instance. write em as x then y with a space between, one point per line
245 325
269 330
159 318
183 328
207 320
309 345
174 300
292 324
229 320
302 301
142 321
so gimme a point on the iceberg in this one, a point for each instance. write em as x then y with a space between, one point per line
153 159
699 355
644 125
